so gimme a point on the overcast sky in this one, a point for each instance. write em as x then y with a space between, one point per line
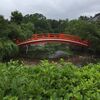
55 9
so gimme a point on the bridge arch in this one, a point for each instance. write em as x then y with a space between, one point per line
45 38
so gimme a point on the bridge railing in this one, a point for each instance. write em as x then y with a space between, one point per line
55 36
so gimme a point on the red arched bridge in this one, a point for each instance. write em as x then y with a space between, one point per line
61 37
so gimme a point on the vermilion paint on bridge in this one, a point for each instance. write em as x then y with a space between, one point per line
50 37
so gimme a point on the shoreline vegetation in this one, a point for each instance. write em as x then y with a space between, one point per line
49 81
22 27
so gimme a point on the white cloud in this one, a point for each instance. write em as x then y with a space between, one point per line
51 8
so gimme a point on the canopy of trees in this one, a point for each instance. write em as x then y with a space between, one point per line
23 26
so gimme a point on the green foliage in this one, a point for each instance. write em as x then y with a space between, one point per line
86 30
42 52
27 29
49 81
22 27
41 25
82 28
3 27
16 17
15 32
7 49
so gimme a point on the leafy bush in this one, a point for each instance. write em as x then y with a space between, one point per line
49 81
45 52
7 49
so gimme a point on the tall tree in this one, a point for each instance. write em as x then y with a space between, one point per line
16 17
3 27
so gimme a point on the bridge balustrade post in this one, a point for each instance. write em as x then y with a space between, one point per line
44 36
35 36
61 36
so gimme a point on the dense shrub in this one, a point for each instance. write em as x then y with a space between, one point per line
49 81
8 49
